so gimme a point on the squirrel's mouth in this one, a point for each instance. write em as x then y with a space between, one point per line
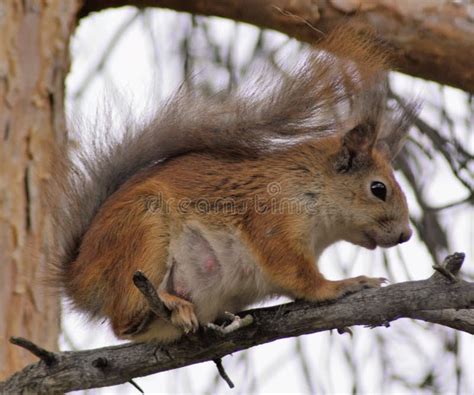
368 242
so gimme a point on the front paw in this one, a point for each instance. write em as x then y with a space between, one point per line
356 284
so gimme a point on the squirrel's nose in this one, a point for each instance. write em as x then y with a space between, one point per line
405 236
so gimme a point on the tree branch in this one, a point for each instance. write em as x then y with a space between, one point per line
427 41
437 299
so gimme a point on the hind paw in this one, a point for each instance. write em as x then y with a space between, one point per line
182 312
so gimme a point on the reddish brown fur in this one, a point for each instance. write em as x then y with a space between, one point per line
124 214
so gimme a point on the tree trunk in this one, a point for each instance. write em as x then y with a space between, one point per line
34 60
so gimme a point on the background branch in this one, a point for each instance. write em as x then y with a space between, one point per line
427 41
437 299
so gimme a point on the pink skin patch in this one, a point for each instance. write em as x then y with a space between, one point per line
210 264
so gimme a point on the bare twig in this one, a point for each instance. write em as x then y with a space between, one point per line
445 272
450 267
149 292
341 331
467 200
223 373
121 30
136 386
46 356
451 149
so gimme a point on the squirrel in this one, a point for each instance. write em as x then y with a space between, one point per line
229 199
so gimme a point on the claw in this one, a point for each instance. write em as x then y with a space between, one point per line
182 312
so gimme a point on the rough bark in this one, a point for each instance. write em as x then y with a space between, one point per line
430 39
441 299
34 39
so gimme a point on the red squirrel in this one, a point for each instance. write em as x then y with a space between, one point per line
228 199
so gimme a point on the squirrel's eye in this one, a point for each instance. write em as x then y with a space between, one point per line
379 190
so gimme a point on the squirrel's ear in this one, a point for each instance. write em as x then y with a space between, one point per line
356 148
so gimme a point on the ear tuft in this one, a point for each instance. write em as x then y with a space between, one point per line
395 129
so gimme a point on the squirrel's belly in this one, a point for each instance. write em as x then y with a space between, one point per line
214 270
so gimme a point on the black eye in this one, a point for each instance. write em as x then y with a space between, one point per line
379 190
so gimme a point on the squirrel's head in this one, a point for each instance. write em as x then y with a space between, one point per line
368 206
